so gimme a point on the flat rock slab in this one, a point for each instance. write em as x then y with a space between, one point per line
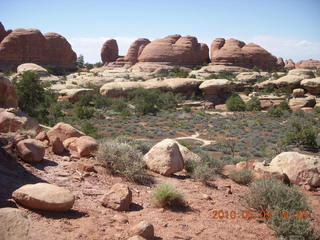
14 224
44 196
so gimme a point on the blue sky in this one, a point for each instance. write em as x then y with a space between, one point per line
287 28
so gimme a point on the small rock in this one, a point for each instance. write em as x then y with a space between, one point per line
41 136
118 198
206 197
143 229
31 150
120 218
14 224
83 146
136 238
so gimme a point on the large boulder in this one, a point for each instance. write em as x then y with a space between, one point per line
301 169
75 94
83 146
63 131
311 63
302 102
31 150
312 85
118 198
215 89
175 50
109 51
233 52
12 120
8 97
135 50
30 45
165 158
32 67
44 196
118 89
185 86
14 224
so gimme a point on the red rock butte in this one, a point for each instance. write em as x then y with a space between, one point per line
30 45
232 52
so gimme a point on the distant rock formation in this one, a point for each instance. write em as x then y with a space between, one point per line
280 62
109 51
289 64
311 63
175 50
31 46
232 52
135 51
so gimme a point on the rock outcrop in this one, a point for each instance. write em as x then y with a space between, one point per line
175 50
109 51
30 45
302 102
31 67
289 64
280 62
135 50
311 63
215 89
232 52
8 97
44 196
312 85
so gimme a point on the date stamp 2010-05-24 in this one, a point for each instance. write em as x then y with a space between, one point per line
262 214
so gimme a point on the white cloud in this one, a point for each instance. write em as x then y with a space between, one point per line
289 48
90 48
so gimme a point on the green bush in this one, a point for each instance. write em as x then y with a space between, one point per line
253 104
167 196
301 133
275 112
235 103
123 160
177 72
140 145
241 176
83 112
90 130
221 75
36 99
274 196
204 170
284 106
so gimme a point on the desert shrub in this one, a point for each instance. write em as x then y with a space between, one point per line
80 61
275 196
221 75
241 176
275 112
269 88
119 105
177 72
256 69
301 133
140 145
148 101
90 130
167 196
253 104
83 112
235 103
35 98
204 170
284 106
123 160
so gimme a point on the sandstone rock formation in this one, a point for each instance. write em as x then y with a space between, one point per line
75 94
8 97
44 196
12 120
32 67
298 92
164 158
233 52
14 224
135 50
109 51
63 131
289 64
215 89
312 85
118 198
83 146
31 150
118 89
302 102
311 63
30 45
3 32
175 50
280 62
